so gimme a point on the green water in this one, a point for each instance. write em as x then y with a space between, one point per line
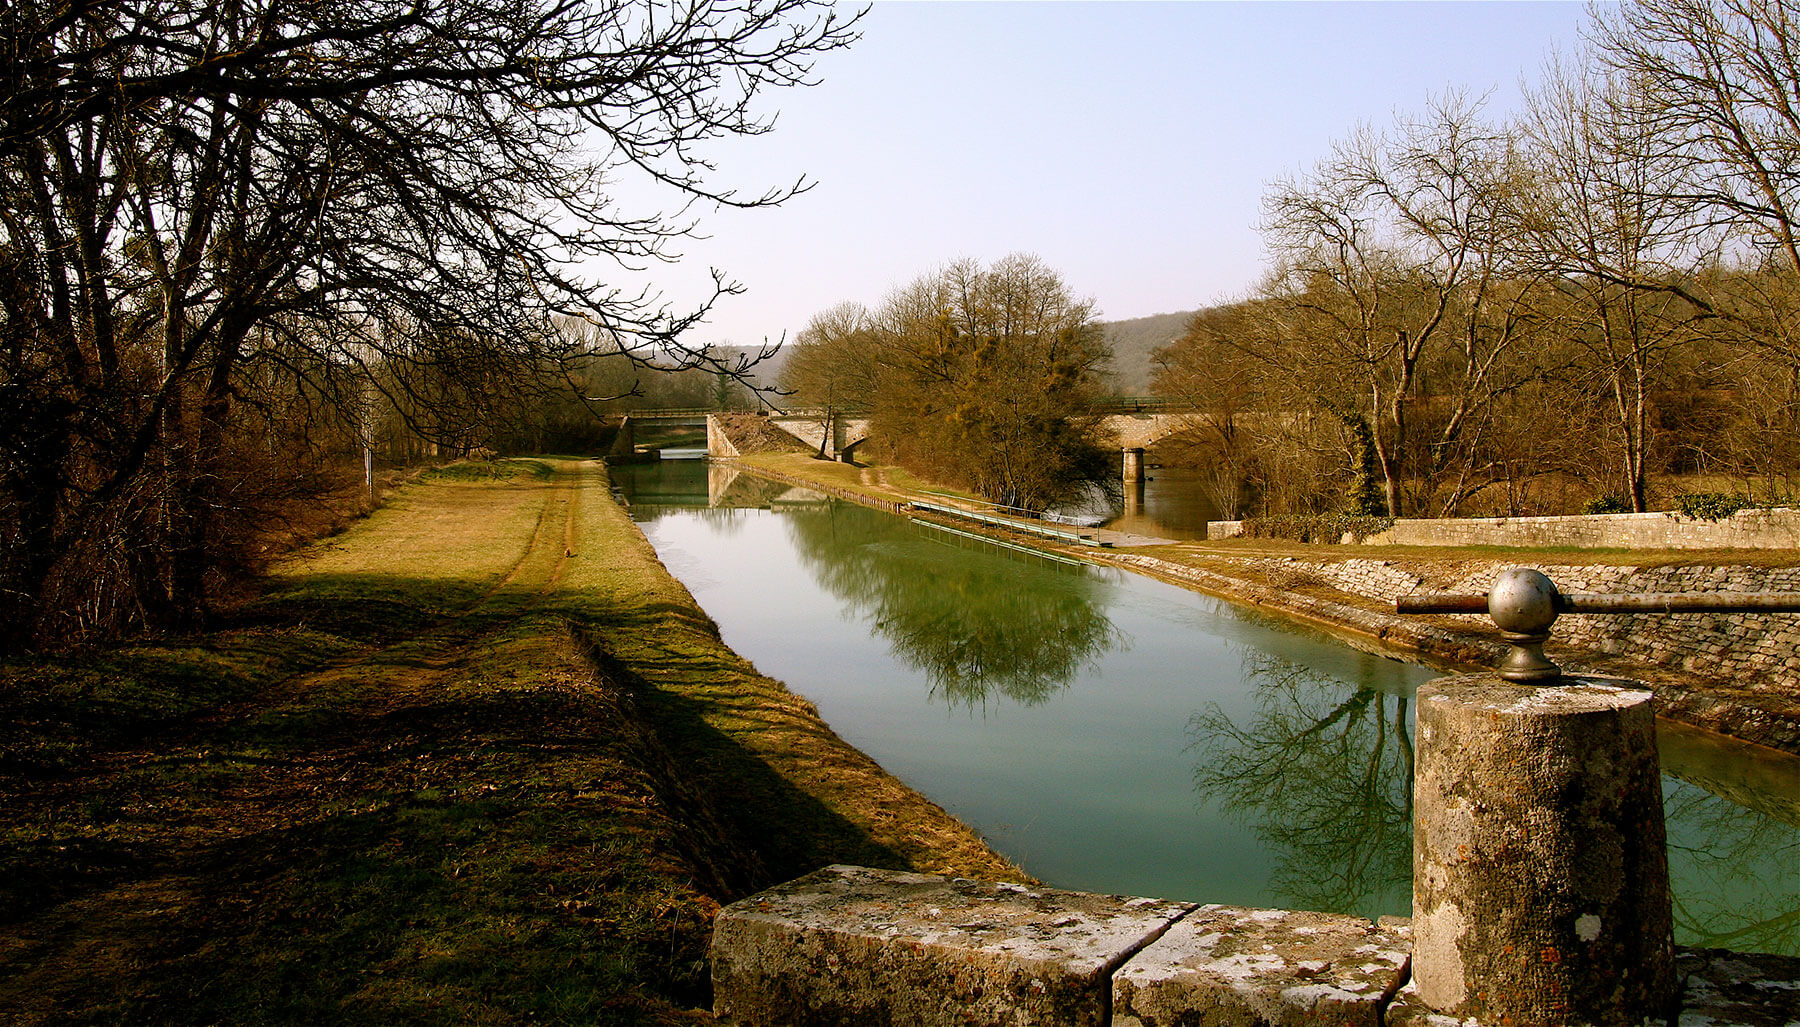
1112 733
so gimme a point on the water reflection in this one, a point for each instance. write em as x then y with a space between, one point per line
1022 627
1324 777
1721 852
1170 503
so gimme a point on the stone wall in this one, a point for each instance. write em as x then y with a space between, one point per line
718 439
853 945
1746 529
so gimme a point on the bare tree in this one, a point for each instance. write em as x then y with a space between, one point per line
1716 85
1606 218
347 191
831 363
1393 264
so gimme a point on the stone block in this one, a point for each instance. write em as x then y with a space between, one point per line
850 945
1719 989
1738 989
1224 966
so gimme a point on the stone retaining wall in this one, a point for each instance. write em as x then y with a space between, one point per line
1746 529
718 440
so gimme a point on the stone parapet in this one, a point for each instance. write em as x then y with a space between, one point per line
1275 967
850 945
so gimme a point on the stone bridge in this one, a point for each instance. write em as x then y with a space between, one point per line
847 431
836 436
624 446
1135 431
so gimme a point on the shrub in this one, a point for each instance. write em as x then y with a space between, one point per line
1711 506
1322 529
1612 502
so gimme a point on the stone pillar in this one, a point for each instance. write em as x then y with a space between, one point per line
1134 466
1540 880
1134 497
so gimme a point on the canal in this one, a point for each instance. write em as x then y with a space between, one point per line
1112 733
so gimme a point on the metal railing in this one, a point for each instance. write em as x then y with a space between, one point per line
1011 524
1524 603
682 413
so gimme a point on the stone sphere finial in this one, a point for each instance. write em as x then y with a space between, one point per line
1523 600
1523 605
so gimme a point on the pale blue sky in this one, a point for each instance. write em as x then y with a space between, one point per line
1127 144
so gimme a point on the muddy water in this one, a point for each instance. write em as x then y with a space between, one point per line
1112 733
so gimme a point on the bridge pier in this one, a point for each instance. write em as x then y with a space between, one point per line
624 444
1134 467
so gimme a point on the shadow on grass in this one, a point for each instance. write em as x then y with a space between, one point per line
792 833
514 857
502 837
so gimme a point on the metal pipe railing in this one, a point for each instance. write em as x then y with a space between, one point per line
1524 603
1007 522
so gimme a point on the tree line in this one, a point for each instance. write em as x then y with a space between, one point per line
980 377
234 234
1471 315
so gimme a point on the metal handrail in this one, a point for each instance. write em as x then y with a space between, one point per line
1524 603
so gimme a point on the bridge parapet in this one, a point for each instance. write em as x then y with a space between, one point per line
846 433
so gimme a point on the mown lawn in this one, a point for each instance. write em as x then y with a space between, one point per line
477 760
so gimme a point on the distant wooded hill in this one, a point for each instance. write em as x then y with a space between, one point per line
1133 341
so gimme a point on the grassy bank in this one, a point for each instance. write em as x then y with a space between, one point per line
477 760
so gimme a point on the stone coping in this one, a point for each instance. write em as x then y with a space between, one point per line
854 945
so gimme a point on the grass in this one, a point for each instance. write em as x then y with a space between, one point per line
477 760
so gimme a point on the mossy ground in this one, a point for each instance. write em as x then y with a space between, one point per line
477 760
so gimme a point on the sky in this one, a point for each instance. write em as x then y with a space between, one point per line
1128 145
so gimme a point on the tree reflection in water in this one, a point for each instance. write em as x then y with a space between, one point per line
977 620
1323 775
1733 859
